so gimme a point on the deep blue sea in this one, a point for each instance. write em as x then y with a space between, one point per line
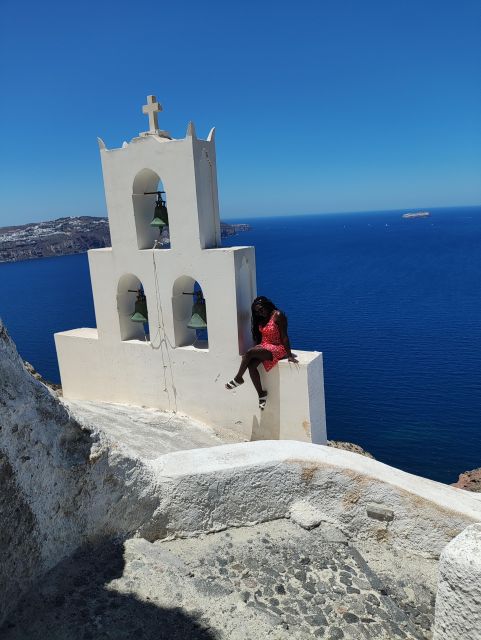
393 304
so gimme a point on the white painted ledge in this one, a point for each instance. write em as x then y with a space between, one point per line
84 332
235 485
200 345
263 453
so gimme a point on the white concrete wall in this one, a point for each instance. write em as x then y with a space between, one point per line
191 381
233 485
172 371
458 600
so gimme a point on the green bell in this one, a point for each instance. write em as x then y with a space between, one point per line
161 216
199 315
140 313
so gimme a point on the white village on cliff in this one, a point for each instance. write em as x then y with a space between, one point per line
147 501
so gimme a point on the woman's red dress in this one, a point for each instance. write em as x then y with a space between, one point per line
271 340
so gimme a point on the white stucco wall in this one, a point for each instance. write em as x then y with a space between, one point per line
233 485
172 371
458 601
192 383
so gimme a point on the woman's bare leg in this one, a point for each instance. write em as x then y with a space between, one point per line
256 353
256 380
255 376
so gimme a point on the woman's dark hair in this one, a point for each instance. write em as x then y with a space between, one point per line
256 319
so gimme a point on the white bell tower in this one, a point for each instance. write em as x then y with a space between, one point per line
168 365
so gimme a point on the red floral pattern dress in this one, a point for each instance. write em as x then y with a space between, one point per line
271 340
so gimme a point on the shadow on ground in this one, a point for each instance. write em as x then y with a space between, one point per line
74 602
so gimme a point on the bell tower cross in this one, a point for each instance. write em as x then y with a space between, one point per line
152 109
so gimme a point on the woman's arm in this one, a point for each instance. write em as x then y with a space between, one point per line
281 321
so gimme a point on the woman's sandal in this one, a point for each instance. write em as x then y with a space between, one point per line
262 401
233 384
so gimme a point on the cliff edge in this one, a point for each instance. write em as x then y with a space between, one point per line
469 481
63 485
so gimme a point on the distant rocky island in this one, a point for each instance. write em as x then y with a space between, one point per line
65 236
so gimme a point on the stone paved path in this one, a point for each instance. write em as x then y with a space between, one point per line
273 581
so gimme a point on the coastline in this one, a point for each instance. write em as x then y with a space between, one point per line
68 236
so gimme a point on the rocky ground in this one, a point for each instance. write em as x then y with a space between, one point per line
273 581
38 376
349 446
470 481
148 433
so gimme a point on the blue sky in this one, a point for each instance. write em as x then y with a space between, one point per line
320 106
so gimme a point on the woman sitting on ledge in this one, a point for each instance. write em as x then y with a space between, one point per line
269 330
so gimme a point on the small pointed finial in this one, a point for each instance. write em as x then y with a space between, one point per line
101 143
190 130
211 136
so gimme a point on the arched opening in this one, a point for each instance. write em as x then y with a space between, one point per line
150 211
189 312
132 308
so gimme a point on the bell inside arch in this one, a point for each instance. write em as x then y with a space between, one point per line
140 311
198 318
161 215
